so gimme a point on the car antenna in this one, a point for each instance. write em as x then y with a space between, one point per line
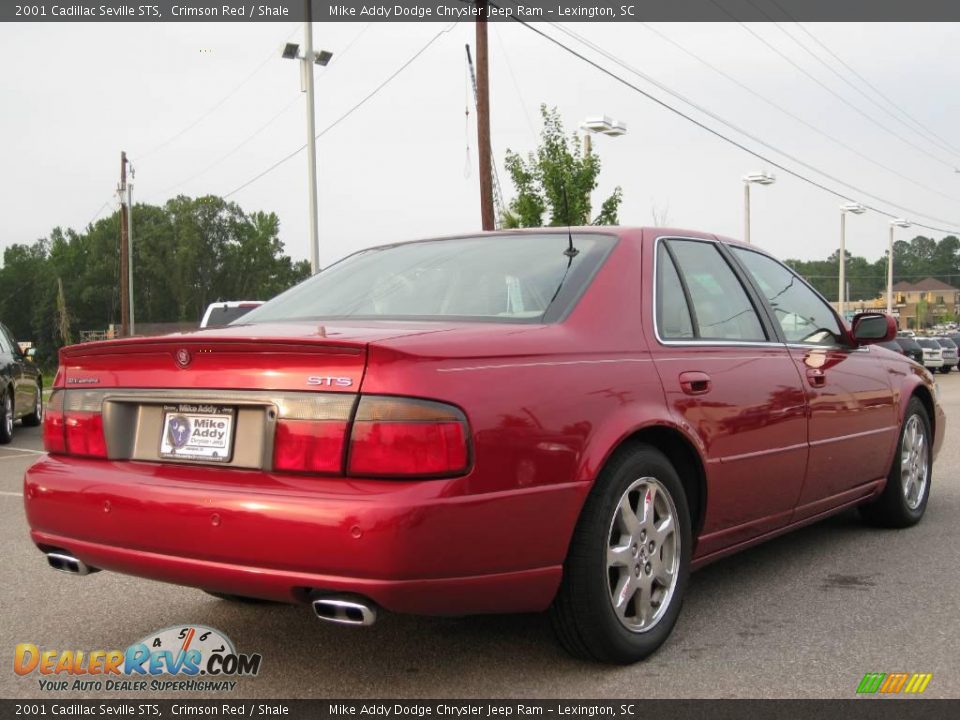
571 252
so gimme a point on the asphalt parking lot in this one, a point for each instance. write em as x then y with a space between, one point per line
805 615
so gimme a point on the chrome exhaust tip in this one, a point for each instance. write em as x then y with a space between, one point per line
345 611
69 564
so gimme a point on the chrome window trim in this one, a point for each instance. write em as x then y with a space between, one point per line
698 343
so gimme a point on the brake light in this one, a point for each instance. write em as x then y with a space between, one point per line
84 433
399 437
73 424
309 446
54 438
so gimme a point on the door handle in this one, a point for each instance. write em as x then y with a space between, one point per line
816 378
695 383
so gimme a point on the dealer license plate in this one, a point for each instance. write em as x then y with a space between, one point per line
197 432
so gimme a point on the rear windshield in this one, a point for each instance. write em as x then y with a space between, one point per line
503 278
225 315
927 343
947 343
908 343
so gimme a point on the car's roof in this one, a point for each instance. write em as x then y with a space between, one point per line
628 232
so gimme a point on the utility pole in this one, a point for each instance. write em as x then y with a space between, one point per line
124 250
307 69
130 252
483 120
498 204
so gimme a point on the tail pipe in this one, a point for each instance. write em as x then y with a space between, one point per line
69 564
345 610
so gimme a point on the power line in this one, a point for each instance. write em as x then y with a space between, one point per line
730 125
345 115
830 90
97 214
513 78
943 143
262 127
233 151
843 78
217 105
796 117
737 143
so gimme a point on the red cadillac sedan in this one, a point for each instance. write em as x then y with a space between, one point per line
508 422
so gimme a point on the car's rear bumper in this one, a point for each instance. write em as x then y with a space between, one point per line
416 547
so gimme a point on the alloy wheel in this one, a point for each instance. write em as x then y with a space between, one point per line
7 414
914 462
643 554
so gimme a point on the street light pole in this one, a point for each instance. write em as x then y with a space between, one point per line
307 65
856 209
754 178
893 224
746 213
291 51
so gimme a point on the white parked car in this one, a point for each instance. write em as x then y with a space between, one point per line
932 353
219 314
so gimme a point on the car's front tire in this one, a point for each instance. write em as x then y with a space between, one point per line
629 560
904 499
36 417
6 416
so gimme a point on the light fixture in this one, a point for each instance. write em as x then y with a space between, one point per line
900 223
604 125
761 177
854 208
290 51
322 58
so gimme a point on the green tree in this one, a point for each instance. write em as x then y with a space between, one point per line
558 178
186 254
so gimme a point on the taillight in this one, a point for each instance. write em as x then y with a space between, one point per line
85 433
310 446
400 437
54 439
73 424
312 432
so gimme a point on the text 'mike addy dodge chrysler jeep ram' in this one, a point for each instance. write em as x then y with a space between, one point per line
509 422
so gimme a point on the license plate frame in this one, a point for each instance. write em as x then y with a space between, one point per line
197 432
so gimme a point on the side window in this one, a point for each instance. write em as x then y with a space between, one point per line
802 314
673 313
721 309
3 341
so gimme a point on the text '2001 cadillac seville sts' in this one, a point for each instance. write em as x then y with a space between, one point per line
509 422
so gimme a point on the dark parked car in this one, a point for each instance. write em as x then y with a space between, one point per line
510 422
910 348
21 386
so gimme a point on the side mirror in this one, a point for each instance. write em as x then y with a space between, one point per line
871 328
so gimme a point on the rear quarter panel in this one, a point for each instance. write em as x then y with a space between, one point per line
547 404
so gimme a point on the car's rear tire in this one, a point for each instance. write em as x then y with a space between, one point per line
629 561
904 499
36 417
6 416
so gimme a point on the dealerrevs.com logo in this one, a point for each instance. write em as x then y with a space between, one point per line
185 658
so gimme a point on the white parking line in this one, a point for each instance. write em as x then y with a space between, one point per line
11 494
14 457
24 450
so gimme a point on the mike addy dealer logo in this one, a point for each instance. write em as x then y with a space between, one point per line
182 658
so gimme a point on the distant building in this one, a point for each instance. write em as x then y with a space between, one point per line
925 303
915 305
